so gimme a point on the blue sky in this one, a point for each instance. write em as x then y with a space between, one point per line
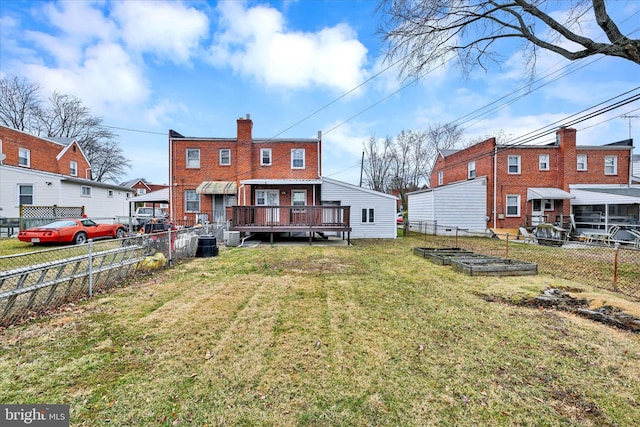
197 66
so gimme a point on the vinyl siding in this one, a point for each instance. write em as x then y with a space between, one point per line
461 205
60 193
384 225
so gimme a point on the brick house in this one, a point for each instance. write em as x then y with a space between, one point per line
37 171
269 186
530 184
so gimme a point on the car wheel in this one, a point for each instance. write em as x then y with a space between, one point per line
120 233
80 238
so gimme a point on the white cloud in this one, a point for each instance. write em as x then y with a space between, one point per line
168 29
106 78
255 42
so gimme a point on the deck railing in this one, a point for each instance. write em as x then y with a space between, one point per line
287 217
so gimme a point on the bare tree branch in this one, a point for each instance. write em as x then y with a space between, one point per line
425 32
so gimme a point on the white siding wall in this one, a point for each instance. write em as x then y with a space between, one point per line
359 198
59 193
462 205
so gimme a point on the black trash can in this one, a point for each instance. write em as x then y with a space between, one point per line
207 247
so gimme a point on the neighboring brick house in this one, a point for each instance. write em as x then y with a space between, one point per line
141 187
39 171
529 184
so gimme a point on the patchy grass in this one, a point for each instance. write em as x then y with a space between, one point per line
351 336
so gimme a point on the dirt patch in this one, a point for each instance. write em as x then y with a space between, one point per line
557 299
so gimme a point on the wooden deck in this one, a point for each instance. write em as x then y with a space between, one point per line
291 219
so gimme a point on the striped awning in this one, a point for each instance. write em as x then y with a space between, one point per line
217 187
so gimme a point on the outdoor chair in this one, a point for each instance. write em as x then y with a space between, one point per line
528 237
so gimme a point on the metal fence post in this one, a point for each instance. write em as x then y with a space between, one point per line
90 254
435 228
615 267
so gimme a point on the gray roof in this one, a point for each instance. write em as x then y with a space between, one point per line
446 153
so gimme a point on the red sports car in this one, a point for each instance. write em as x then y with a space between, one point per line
71 230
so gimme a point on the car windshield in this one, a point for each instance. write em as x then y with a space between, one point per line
144 211
60 224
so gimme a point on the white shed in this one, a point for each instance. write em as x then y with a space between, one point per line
373 214
461 205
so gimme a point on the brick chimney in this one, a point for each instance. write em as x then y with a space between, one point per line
567 167
244 165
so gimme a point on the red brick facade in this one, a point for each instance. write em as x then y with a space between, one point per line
528 171
244 162
42 154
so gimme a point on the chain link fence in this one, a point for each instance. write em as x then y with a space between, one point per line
36 282
614 266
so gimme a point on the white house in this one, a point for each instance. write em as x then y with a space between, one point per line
32 187
373 214
441 207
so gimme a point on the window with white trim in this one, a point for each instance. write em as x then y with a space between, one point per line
265 156
471 169
581 160
73 168
193 158
610 165
440 177
297 158
299 197
514 164
368 215
85 191
191 201
513 205
141 191
24 157
543 162
225 156
25 194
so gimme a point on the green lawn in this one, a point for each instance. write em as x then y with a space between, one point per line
335 336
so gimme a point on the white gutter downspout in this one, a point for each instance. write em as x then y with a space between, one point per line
495 185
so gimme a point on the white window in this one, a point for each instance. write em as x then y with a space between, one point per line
24 157
582 162
543 162
368 215
265 156
140 191
73 168
299 198
471 169
25 194
513 205
193 158
514 164
297 158
547 204
225 156
610 165
85 191
191 201
440 177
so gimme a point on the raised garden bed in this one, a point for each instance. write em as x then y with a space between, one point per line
493 267
422 252
445 258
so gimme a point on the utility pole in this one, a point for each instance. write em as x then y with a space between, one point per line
629 118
